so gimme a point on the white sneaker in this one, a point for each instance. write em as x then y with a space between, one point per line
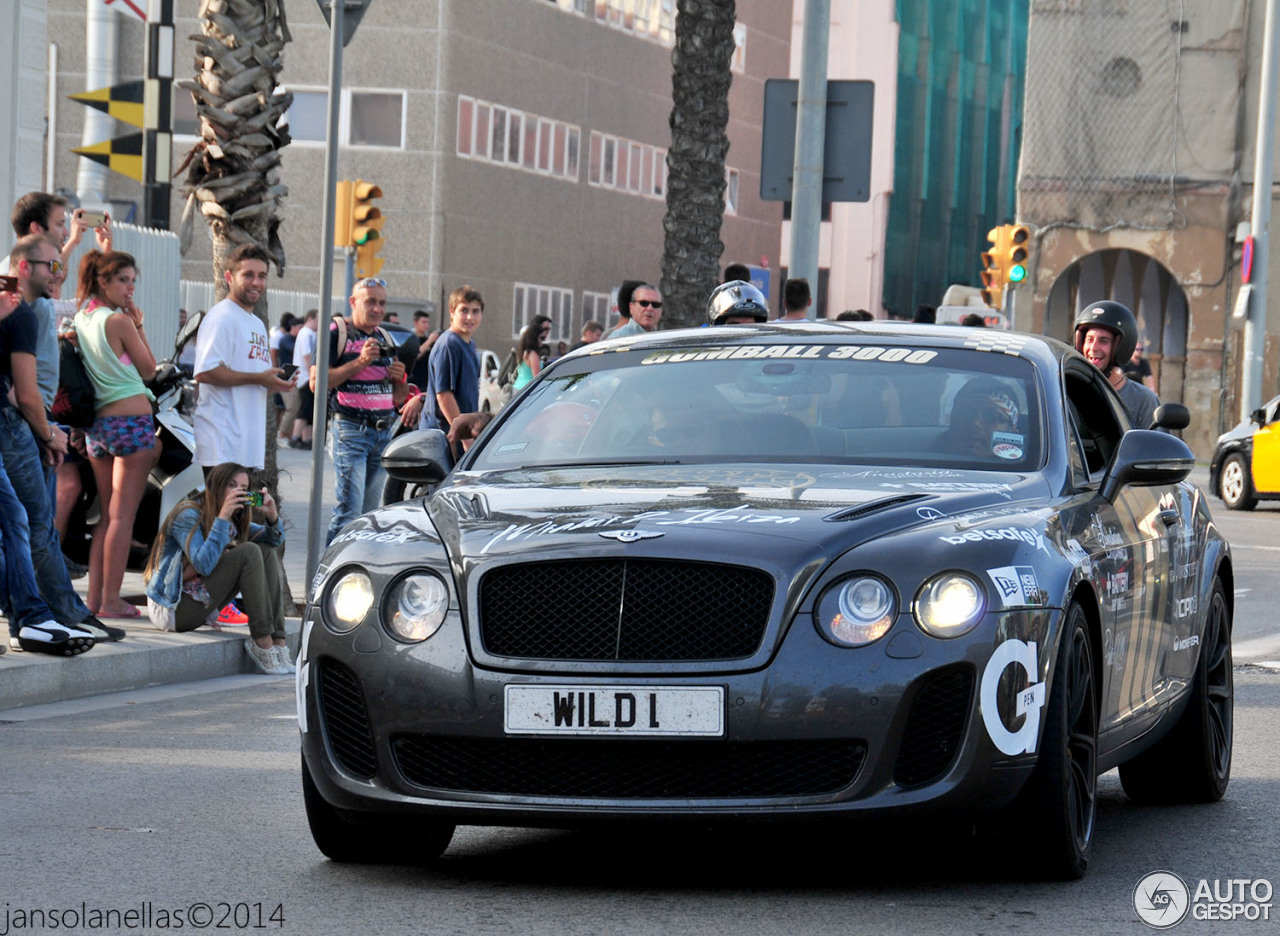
15 646
55 638
281 652
265 659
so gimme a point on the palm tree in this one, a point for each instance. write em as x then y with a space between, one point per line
233 170
700 83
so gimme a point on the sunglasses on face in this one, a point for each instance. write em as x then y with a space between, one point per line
647 303
55 266
370 281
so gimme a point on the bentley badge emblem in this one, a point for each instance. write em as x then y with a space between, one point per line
630 536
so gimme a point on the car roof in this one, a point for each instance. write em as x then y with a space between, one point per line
1045 352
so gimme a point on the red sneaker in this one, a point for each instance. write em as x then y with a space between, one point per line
231 616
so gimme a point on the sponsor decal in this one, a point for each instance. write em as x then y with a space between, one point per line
303 676
522 531
1186 607
898 474
1017 586
1077 554
995 341
1018 534
1006 450
792 352
1013 438
1029 701
512 448
630 536
1162 899
1113 650
929 513
397 537
1186 643
948 487
1117 583
1104 535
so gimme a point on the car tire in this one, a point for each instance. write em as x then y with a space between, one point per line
1058 806
1192 764
1235 483
356 838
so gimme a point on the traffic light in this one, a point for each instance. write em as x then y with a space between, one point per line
1004 262
342 216
366 227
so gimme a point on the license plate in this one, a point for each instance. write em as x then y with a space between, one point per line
642 711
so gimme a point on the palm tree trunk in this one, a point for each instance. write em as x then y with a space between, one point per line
700 83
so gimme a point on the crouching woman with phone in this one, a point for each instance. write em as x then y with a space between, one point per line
207 551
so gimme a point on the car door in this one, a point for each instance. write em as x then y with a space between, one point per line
1266 452
1128 543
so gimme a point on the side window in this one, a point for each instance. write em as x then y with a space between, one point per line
1079 470
1096 419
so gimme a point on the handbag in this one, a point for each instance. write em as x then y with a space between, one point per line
76 401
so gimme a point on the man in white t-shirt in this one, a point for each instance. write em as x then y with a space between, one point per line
233 367
304 354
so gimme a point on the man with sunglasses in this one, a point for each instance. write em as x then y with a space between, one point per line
31 448
646 311
367 384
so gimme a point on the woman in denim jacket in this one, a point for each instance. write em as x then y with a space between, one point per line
208 550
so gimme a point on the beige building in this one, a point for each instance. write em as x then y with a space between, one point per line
1136 172
520 144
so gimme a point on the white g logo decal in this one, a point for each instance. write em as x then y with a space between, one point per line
1029 700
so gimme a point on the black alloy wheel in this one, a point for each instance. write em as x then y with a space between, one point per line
1192 763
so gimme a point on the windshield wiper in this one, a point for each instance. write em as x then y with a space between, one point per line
607 463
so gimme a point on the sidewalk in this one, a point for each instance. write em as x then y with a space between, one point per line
148 657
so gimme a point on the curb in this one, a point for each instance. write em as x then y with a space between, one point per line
146 657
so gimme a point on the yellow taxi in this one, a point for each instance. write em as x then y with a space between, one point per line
1246 463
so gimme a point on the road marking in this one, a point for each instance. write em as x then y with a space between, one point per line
1251 546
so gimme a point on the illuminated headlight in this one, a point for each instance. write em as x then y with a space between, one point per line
950 604
349 601
416 606
856 612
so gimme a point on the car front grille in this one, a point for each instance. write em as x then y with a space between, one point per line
345 721
935 727
629 769
640 610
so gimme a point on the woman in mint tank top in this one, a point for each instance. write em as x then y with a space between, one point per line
530 350
122 442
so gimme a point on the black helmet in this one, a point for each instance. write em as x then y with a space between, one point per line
737 298
1115 318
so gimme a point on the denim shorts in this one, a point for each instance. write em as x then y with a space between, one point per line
120 435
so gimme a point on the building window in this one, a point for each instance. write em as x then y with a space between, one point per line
308 116
731 191
627 165
376 118
738 62
531 299
654 20
185 120
595 307
498 134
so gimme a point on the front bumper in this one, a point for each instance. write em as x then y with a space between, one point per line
896 726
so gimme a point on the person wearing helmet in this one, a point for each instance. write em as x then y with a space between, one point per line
984 422
737 303
1106 333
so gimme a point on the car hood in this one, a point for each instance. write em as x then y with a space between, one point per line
781 517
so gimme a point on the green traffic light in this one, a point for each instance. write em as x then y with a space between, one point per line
1017 273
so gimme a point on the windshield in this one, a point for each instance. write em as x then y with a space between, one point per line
840 403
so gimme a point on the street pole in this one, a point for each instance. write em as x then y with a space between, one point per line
316 529
811 135
1255 327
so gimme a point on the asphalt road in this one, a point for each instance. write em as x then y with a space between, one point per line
189 800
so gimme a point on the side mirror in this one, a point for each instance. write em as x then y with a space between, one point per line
417 457
1259 416
1145 457
1171 416
187 333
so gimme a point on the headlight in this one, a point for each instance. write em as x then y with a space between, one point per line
856 612
349 601
416 606
950 604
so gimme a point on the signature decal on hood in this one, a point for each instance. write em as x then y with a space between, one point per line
743 514
897 474
630 536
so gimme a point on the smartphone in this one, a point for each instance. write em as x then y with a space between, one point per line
253 498
93 219
289 370
8 284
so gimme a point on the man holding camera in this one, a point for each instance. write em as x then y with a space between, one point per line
366 387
